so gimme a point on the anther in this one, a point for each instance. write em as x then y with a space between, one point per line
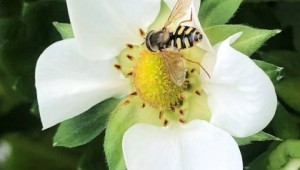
187 75
198 92
126 102
166 122
143 105
187 84
133 93
181 112
181 96
117 66
181 121
172 108
180 102
193 70
130 73
129 46
130 57
142 32
161 113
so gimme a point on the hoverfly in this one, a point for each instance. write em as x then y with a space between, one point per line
169 43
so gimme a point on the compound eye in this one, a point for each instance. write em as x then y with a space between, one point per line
197 37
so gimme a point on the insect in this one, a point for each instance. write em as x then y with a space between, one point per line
169 43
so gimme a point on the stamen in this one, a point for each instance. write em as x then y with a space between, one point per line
143 105
187 75
130 73
126 102
181 96
129 46
142 32
198 92
166 122
181 120
187 85
161 113
193 70
180 102
130 57
172 108
117 66
133 93
181 112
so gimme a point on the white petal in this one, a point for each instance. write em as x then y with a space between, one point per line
241 96
69 84
171 4
196 145
103 28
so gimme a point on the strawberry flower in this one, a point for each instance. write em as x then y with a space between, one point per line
236 99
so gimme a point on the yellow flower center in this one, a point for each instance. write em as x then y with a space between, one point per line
153 83
155 97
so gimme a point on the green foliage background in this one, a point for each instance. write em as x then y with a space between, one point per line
26 29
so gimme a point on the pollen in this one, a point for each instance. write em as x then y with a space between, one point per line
153 83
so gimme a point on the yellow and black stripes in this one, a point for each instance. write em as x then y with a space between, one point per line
184 37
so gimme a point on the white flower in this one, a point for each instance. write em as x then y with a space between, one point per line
242 100
75 74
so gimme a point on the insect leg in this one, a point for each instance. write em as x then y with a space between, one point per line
199 65
189 20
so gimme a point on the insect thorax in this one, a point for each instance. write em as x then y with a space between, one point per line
156 41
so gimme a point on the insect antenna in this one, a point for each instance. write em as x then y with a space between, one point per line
199 65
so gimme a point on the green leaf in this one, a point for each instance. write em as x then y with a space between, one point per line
284 126
260 162
85 127
273 71
287 59
216 12
25 38
33 153
285 156
90 159
290 19
259 1
248 43
93 157
64 29
288 88
11 8
260 136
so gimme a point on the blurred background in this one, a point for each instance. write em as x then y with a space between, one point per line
26 29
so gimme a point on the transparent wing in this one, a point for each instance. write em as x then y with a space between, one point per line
178 11
175 66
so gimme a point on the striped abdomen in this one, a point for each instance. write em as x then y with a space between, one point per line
184 37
